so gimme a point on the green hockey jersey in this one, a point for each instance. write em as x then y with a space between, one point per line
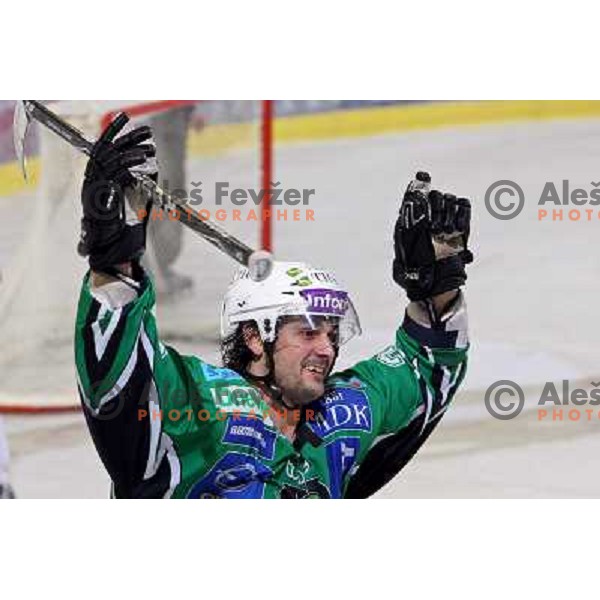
172 426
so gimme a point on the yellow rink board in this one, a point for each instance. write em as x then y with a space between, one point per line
349 123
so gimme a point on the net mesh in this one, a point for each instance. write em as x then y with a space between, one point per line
199 146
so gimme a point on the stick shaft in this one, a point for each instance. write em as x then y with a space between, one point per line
211 232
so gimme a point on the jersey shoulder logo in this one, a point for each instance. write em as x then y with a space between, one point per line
391 357
313 489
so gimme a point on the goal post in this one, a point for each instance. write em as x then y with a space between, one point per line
267 172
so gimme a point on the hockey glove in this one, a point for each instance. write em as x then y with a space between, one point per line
111 233
430 240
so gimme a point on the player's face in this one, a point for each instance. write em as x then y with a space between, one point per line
303 356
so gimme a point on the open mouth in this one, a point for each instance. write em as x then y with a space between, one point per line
317 370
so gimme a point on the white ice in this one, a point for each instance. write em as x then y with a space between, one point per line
531 295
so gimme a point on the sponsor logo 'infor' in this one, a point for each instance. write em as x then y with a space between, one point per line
326 301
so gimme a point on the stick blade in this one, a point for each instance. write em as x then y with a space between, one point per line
20 126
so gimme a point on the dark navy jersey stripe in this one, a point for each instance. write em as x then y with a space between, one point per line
432 338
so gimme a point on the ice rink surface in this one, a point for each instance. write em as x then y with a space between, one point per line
532 297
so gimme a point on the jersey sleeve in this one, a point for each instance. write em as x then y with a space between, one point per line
126 377
411 384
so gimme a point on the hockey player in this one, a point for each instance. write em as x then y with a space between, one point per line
275 420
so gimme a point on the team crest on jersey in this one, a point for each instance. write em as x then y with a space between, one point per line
391 357
236 475
312 489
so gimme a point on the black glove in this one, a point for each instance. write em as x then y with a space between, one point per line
430 241
111 233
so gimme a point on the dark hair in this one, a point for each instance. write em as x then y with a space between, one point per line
235 353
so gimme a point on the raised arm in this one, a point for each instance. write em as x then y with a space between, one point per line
125 375
413 381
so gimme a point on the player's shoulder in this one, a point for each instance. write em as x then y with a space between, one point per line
205 372
347 379
368 370
345 387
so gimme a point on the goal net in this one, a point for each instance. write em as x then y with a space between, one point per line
205 150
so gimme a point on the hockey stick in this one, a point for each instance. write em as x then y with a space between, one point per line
259 262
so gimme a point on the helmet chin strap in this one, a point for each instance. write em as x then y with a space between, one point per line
267 382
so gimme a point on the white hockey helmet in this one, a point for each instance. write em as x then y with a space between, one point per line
292 289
